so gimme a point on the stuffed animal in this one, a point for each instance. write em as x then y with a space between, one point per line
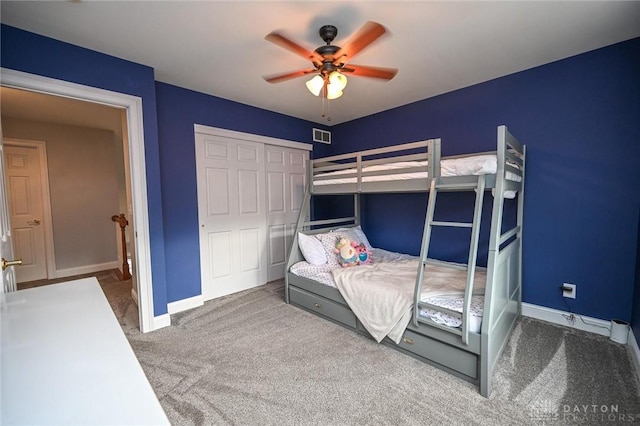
347 254
364 255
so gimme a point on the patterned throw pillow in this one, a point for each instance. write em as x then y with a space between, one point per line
354 234
329 240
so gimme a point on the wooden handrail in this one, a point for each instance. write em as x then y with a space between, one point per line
123 222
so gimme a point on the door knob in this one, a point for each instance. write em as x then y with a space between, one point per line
34 222
7 263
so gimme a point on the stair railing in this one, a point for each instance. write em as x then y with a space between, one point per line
123 222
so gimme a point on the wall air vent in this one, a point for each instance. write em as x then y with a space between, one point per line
323 136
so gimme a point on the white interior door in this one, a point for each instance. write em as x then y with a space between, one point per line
23 178
6 246
230 179
285 180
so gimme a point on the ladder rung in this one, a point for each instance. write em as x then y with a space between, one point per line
458 185
427 320
454 224
433 307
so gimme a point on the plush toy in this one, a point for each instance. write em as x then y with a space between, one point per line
364 255
347 254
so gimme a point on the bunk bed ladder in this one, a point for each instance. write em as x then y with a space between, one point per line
473 249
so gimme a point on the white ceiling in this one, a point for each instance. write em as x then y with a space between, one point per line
35 106
218 47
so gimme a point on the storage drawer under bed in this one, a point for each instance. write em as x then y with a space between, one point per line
441 353
322 306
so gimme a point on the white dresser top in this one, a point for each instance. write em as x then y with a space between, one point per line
65 360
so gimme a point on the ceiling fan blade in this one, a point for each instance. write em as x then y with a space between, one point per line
284 42
373 72
362 38
277 78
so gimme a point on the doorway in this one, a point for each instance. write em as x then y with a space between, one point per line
79 163
131 108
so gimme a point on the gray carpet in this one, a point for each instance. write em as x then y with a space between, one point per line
251 359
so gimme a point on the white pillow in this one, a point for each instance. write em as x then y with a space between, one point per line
311 249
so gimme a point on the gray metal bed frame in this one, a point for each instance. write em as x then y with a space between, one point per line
471 356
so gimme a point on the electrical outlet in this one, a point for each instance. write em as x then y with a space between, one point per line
569 290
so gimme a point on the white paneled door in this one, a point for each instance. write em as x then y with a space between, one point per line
24 184
231 200
285 175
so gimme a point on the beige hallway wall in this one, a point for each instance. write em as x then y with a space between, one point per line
83 178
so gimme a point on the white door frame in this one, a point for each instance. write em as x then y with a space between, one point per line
133 107
7 276
41 149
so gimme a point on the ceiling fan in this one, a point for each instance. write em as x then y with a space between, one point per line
330 63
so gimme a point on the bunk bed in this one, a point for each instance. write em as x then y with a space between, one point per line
457 317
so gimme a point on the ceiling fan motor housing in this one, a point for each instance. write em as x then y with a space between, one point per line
327 53
328 33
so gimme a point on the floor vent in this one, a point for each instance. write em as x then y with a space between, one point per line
323 136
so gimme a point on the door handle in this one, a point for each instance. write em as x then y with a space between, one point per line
34 222
7 263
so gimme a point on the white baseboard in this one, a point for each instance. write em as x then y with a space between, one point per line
161 321
88 269
164 320
185 304
635 353
555 316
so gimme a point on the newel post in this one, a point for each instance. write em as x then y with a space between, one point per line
123 222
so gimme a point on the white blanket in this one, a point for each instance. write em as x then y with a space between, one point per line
381 295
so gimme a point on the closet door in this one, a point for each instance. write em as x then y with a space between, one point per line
231 200
285 183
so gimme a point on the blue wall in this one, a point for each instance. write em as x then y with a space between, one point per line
580 120
34 54
178 110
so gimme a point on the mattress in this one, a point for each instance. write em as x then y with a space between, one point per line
323 275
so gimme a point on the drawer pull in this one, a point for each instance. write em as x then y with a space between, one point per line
317 305
407 340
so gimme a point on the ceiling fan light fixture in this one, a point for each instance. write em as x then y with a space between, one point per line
315 85
333 92
338 80
334 95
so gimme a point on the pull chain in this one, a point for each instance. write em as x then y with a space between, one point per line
324 97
